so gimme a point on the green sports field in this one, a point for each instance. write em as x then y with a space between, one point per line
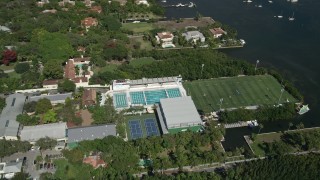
236 92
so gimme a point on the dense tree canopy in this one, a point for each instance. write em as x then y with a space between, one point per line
43 106
66 85
2 103
22 68
46 143
53 70
26 120
10 147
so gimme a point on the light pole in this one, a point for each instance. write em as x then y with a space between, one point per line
257 62
202 65
280 96
221 100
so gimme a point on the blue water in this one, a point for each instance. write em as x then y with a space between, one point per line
137 98
172 93
120 100
291 47
155 96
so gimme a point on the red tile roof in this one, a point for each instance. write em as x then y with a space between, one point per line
89 97
80 79
82 59
165 35
50 82
97 9
89 21
69 70
216 31
94 161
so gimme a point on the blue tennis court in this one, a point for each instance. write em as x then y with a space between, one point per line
151 127
120 100
172 93
135 129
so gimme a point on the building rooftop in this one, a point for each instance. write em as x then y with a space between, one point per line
34 133
69 70
94 161
89 21
11 167
53 97
50 82
89 97
165 35
91 132
152 80
179 111
192 35
216 31
14 106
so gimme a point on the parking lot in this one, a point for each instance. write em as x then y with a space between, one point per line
32 165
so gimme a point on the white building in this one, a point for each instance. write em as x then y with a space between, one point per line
144 2
165 39
8 170
194 36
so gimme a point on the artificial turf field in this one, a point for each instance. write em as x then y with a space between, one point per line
236 92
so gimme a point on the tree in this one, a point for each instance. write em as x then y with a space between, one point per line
46 176
26 120
30 107
22 68
46 143
2 103
53 70
43 105
66 85
111 23
21 175
260 127
49 116
8 56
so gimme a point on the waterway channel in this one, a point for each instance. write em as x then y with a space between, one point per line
292 47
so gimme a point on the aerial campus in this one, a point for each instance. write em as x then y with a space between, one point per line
113 91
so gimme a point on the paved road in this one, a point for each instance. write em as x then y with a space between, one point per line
30 168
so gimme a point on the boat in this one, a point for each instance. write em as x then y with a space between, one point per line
192 4
303 109
270 1
294 1
164 1
292 17
249 1
260 6
280 16
180 5
242 42
253 123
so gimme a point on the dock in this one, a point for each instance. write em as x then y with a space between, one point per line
236 125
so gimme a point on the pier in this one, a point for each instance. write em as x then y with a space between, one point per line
235 125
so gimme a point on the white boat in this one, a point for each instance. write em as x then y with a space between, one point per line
294 1
270 1
191 4
253 123
180 5
242 42
249 1
303 109
292 17
260 6
164 1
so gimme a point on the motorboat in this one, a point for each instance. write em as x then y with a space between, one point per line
292 17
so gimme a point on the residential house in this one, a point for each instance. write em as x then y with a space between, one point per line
50 84
9 127
66 2
52 11
5 29
165 39
81 49
144 2
8 170
55 131
95 161
217 32
88 3
194 36
78 134
82 78
54 98
89 97
41 3
97 9
89 22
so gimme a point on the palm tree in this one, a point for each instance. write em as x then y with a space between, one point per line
260 127
290 125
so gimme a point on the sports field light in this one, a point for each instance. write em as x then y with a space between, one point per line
221 100
280 96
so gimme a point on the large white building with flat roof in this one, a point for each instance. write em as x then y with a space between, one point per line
178 114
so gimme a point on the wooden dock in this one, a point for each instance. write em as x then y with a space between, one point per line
236 125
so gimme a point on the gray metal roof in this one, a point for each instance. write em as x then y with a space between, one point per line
91 132
179 112
13 167
52 98
14 106
34 133
153 80
192 35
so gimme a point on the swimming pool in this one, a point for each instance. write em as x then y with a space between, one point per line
172 93
120 100
155 96
137 97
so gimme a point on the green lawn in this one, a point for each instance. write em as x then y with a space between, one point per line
65 170
236 92
141 119
108 67
14 75
141 61
11 66
146 45
138 27
260 139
